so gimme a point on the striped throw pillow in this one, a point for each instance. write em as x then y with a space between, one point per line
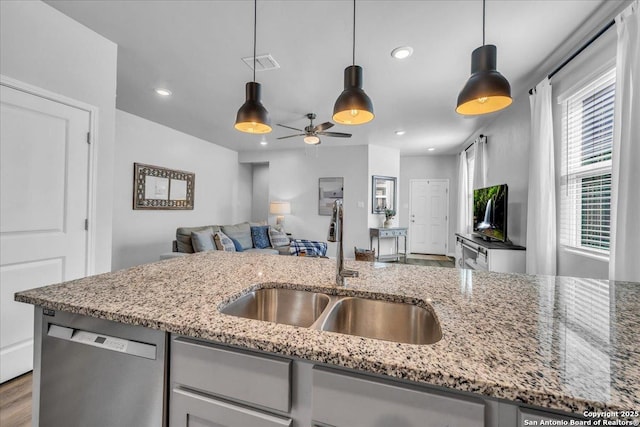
223 242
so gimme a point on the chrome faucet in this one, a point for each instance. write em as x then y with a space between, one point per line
335 235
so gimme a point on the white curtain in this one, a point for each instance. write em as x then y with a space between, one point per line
541 204
463 194
624 262
480 163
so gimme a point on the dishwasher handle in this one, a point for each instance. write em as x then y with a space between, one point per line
105 342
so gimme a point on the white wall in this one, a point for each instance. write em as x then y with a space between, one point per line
508 161
432 167
293 176
260 200
45 48
384 161
140 236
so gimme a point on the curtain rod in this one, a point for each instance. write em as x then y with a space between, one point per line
579 51
471 145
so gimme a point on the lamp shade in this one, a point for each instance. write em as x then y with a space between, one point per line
486 90
353 106
280 208
252 117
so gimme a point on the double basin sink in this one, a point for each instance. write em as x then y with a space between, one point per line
384 320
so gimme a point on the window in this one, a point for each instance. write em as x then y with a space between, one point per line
587 140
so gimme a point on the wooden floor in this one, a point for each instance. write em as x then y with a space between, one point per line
15 402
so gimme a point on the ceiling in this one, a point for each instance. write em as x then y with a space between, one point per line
194 48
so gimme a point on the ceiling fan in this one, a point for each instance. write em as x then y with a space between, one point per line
311 132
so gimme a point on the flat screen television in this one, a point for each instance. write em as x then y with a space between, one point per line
490 212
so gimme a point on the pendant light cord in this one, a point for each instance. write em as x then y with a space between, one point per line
354 33
484 2
255 24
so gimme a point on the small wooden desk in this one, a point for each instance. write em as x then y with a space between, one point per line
389 233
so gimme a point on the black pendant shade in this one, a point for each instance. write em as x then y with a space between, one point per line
252 117
353 106
486 90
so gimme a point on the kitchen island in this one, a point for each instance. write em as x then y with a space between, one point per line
553 343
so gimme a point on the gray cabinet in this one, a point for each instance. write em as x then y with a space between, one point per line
255 378
219 386
191 409
348 400
216 386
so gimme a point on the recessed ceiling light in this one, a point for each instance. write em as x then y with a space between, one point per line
402 52
400 132
163 92
263 142
431 149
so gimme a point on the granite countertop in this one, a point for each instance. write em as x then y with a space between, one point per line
556 342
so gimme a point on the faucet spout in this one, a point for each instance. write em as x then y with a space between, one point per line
335 235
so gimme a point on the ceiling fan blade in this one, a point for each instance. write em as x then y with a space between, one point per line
323 126
289 127
335 134
291 136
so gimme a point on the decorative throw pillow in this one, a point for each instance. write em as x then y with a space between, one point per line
260 237
241 232
202 241
223 242
237 245
278 237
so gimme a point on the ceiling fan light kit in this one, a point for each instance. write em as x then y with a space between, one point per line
486 90
252 117
311 132
353 106
311 140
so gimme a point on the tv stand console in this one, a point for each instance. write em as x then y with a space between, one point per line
473 252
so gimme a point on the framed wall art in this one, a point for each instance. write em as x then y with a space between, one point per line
160 188
329 189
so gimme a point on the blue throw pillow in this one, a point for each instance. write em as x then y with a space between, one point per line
260 237
237 245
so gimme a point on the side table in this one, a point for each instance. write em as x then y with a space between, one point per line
389 233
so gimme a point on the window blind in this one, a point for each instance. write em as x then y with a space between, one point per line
586 182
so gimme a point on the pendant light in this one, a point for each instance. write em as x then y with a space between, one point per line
353 106
252 117
486 90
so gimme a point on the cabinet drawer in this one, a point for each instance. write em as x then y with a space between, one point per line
190 409
345 400
255 379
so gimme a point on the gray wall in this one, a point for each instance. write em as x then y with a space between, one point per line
293 176
433 167
221 195
43 47
260 192
508 161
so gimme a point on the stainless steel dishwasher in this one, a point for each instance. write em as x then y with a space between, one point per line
99 373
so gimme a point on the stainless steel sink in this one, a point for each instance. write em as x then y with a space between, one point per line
288 306
383 320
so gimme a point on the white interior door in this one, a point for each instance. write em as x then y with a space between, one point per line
428 216
44 193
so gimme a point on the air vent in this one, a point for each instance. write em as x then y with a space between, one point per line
263 62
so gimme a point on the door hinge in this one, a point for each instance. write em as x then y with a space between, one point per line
86 224
88 137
